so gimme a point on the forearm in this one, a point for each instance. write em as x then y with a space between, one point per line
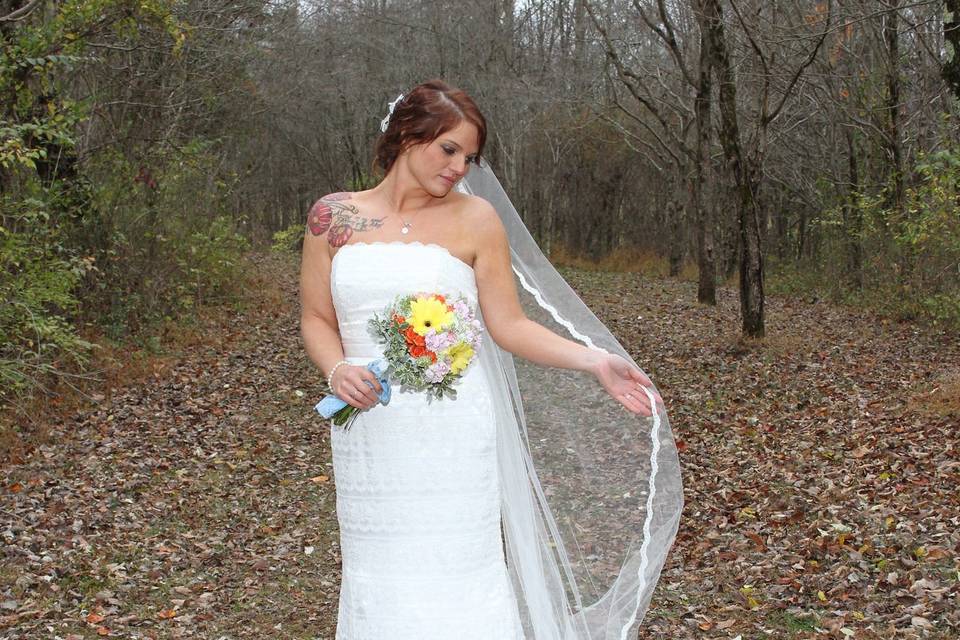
321 342
534 342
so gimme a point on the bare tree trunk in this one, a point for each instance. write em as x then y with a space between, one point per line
951 37
853 218
504 27
675 221
745 178
707 282
891 37
802 234
580 33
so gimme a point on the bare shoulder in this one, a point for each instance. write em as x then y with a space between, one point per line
488 236
482 218
336 217
321 214
474 204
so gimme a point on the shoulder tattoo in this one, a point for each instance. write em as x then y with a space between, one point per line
338 219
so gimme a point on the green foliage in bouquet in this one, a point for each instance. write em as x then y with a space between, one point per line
404 368
409 373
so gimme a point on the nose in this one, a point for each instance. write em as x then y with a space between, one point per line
460 164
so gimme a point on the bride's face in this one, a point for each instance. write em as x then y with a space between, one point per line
440 164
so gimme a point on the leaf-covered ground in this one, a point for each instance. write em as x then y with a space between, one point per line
820 466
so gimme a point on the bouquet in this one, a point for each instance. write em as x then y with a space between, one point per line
429 340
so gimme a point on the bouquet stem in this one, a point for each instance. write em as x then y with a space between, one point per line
345 417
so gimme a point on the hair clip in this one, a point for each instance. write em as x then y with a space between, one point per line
386 121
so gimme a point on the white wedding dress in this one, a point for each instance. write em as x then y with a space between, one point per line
418 496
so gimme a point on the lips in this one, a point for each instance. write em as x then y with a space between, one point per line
452 181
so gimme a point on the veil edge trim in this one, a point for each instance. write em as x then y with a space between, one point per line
644 558
654 455
546 512
556 315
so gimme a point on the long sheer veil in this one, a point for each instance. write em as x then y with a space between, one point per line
591 493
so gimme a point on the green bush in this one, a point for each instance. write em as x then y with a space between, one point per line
289 239
38 282
163 238
209 260
910 266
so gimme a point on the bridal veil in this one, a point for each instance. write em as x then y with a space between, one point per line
591 493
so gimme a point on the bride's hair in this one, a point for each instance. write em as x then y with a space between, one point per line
426 112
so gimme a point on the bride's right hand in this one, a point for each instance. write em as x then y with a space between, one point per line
357 386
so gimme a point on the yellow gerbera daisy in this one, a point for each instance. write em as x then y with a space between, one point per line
461 354
426 313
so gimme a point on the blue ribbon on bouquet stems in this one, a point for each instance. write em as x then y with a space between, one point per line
344 414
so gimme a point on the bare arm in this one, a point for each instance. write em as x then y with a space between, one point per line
318 320
513 331
508 325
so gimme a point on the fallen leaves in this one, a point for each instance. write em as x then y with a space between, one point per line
814 463
820 490
146 514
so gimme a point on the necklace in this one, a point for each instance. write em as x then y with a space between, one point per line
405 229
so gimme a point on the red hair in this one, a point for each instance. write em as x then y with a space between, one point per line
427 112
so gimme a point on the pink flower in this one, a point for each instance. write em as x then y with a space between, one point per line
437 370
440 341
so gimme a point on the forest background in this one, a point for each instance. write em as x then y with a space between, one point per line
781 145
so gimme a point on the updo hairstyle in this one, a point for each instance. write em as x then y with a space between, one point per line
428 111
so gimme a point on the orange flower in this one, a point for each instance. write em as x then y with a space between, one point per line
398 318
444 301
418 351
414 338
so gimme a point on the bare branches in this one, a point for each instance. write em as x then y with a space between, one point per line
639 91
786 94
667 34
22 12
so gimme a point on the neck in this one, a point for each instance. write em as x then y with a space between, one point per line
401 191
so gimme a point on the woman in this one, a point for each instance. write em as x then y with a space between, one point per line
421 485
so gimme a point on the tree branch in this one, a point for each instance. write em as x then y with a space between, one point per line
22 12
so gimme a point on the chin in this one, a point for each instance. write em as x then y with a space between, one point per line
439 191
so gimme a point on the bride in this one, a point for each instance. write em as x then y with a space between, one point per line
526 507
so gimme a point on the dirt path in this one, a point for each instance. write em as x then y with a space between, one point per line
820 469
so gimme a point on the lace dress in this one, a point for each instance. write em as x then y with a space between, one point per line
418 498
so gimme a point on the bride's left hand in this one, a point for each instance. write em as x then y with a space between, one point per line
623 380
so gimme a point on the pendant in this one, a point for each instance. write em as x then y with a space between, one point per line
405 230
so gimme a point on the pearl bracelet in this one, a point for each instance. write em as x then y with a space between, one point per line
330 377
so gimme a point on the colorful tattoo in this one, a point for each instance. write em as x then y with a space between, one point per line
319 218
339 234
337 219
